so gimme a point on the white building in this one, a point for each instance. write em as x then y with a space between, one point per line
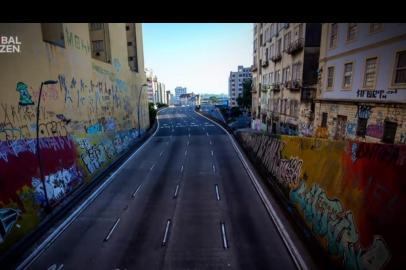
362 82
179 91
235 83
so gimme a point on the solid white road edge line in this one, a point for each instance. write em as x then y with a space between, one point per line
61 228
295 254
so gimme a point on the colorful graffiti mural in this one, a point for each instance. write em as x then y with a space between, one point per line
350 194
86 121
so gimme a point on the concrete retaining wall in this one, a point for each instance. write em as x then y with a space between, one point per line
350 194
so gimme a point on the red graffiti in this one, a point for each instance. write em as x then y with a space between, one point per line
375 131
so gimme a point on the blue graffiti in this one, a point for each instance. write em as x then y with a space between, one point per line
364 111
95 129
122 86
116 64
25 97
327 218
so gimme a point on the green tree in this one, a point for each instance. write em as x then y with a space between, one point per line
152 113
245 100
213 99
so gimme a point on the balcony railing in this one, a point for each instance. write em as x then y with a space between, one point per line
276 87
293 85
276 58
265 88
295 46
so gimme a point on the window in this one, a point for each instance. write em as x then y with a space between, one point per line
333 35
260 40
296 71
53 33
330 77
271 78
127 28
324 120
370 72
285 74
352 31
362 127
347 75
271 51
279 46
389 132
277 76
400 68
286 41
375 27
132 46
100 40
97 46
272 30
96 26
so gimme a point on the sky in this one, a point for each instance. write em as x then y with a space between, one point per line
198 56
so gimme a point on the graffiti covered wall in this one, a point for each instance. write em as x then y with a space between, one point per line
350 194
87 118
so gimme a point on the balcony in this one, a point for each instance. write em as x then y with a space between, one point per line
276 58
276 87
293 85
265 88
308 94
254 68
295 46
265 63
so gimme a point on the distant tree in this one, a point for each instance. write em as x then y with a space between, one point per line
245 100
213 99
152 113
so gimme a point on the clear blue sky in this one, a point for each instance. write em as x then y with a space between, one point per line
198 56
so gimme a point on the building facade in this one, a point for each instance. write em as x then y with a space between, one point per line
362 82
151 89
160 95
235 83
285 76
179 91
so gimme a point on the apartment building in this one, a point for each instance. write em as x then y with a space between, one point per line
151 89
285 76
362 82
235 83
179 90
160 96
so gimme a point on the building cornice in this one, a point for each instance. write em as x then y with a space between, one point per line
364 48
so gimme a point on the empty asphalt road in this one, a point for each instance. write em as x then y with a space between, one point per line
184 201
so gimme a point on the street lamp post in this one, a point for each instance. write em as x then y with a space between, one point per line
138 114
47 208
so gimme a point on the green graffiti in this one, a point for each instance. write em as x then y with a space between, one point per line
327 218
25 97
76 42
